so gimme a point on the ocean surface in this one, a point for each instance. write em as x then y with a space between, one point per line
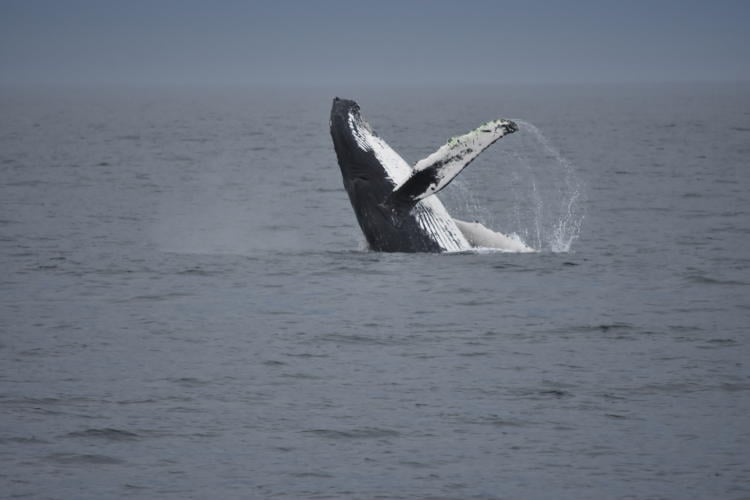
188 308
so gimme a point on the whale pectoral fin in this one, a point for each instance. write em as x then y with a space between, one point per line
433 173
480 236
420 185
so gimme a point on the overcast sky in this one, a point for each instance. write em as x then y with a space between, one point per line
378 41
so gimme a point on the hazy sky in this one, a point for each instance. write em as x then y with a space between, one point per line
378 41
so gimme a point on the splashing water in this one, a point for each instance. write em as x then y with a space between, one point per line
558 229
542 199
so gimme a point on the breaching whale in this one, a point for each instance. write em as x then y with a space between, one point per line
396 204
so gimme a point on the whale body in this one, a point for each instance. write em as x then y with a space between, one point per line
395 203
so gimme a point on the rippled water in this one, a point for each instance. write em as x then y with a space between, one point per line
186 309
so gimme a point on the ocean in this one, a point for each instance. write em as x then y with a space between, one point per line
188 308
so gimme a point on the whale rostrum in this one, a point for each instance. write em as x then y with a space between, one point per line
396 204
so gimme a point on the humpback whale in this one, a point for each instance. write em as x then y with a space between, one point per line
396 204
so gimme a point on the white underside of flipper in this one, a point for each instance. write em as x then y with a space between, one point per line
480 236
433 173
395 166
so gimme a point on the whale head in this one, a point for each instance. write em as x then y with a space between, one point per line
358 150
343 111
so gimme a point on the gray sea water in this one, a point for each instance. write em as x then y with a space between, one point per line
187 308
